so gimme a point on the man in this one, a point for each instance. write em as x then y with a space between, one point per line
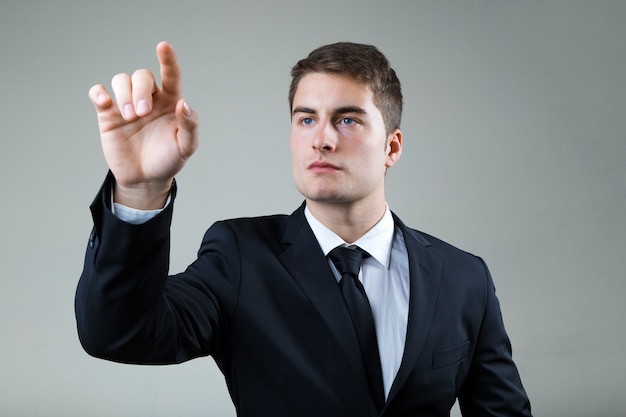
294 332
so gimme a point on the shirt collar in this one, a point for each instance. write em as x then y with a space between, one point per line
377 241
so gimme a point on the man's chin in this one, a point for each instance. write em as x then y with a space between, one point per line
318 195
326 198
329 195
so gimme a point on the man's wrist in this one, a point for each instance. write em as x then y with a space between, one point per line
143 197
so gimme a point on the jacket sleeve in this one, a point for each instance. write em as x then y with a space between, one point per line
493 387
127 307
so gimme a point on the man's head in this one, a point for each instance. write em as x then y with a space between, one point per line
365 64
345 108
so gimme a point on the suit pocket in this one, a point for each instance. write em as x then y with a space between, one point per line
450 356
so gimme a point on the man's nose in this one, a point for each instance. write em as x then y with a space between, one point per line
325 138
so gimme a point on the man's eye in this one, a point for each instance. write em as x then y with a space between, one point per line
307 121
347 121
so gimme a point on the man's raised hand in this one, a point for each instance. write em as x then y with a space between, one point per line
147 133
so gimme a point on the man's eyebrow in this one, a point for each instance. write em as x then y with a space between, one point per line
350 109
339 110
302 109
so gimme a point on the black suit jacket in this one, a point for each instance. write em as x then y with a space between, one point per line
263 302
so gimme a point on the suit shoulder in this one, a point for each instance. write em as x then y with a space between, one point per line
443 245
448 252
249 232
273 221
267 225
461 270
427 240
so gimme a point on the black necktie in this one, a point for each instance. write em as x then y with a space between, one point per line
348 260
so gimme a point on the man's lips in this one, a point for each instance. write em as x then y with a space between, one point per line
322 167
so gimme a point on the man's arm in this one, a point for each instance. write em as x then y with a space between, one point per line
127 307
147 135
493 387
119 294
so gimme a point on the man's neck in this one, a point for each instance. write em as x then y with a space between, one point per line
348 220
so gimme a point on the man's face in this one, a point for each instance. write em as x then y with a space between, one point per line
339 147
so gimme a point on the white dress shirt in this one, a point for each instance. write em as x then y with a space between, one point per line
384 275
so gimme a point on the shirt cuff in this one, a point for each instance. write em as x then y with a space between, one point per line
135 216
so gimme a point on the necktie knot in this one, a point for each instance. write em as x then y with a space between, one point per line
348 260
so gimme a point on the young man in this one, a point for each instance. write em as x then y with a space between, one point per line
294 332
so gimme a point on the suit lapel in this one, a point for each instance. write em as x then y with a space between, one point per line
304 260
425 272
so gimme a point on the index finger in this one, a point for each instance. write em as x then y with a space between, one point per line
171 78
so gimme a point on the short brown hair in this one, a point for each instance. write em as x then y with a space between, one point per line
364 63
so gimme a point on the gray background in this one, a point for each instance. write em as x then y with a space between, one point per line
514 149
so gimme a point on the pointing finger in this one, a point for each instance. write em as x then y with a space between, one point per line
170 70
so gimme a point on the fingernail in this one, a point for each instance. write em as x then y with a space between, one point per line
143 107
101 99
129 113
186 109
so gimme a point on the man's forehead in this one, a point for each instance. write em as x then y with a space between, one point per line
318 76
332 88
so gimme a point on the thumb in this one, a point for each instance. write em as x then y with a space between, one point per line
187 135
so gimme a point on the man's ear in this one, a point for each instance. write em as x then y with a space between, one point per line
393 150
